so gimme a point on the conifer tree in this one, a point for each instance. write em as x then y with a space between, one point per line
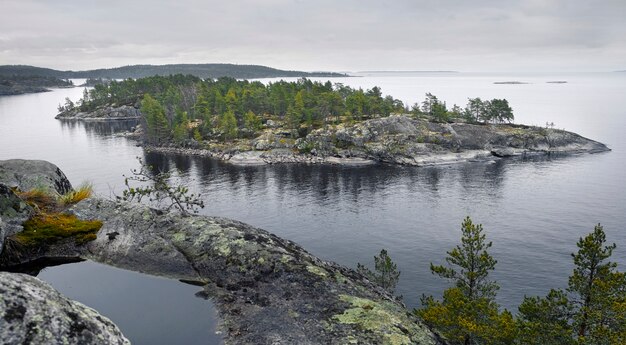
385 272
468 313
157 126
593 308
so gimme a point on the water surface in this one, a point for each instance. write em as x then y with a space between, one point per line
534 211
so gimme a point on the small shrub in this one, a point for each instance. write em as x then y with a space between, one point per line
159 190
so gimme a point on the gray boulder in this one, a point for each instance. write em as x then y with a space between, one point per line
29 174
13 212
32 312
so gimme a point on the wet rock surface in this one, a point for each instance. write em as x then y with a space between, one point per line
32 312
107 113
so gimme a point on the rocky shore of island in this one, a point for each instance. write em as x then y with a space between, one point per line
397 139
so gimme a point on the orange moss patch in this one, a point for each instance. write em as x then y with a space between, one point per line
48 228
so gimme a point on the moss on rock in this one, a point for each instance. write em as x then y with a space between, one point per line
48 228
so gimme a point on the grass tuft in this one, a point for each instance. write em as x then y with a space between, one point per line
39 197
70 198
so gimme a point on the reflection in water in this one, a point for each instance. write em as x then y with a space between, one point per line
327 182
149 310
533 209
99 128
347 214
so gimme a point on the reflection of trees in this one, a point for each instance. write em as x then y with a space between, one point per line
327 185
482 175
99 128
157 161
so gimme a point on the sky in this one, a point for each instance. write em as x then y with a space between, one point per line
329 35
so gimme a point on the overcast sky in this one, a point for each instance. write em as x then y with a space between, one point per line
337 35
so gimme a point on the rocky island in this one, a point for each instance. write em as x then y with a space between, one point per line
268 290
246 122
19 85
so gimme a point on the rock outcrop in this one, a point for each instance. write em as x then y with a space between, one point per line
397 139
13 212
267 290
106 113
25 175
29 174
32 312
404 140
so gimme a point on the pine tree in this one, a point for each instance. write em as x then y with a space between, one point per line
157 126
228 125
468 313
385 273
593 308
252 122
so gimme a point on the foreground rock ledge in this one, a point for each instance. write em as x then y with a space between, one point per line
32 312
268 290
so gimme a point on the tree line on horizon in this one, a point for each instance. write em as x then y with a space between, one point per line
227 108
590 311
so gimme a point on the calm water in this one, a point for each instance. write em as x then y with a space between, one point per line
533 211
148 310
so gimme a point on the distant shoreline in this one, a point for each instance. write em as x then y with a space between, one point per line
407 72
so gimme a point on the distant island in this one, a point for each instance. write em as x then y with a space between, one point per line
510 82
21 84
141 71
407 72
246 122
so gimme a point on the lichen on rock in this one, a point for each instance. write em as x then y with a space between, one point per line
32 312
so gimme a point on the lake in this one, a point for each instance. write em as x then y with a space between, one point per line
534 210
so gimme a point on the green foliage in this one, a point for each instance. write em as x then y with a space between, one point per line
475 110
67 106
157 126
546 320
496 110
228 125
593 308
468 313
385 272
470 263
468 321
196 135
181 128
252 122
157 188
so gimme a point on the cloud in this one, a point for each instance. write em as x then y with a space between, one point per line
315 35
